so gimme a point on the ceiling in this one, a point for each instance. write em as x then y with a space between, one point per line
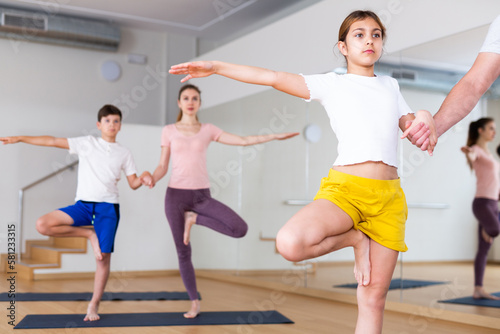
210 20
215 22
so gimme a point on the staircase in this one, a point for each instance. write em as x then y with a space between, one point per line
46 254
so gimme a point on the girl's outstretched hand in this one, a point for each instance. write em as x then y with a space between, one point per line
9 140
283 136
197 69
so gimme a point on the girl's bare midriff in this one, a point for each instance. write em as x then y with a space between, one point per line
371 169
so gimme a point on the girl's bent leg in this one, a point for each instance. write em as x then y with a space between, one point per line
317 229
322 227
371 298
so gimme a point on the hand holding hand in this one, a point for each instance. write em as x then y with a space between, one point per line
422 131
147 180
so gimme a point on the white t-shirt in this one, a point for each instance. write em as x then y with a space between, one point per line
100 166
492 41
364 113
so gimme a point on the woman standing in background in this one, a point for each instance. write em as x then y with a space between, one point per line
485 204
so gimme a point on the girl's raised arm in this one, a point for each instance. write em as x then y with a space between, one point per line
289 83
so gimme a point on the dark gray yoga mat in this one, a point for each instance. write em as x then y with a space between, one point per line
474 302
398 284
39 321
86 296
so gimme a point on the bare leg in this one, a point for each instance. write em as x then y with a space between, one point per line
371 298
195 309
100 280
189 221
329 229
58 224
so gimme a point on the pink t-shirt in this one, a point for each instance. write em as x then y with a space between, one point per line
487 174
189 155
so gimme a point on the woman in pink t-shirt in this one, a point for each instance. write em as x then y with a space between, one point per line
188 200
485 204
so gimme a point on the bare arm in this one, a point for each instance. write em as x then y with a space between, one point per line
160 171
232 139
134 181
469 154
37 140
289 83
467 92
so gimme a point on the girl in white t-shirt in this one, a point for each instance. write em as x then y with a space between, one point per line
360 204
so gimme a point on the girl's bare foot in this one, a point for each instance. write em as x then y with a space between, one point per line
189 221
480 293
486 237
362 266
194 311
95 246
92 313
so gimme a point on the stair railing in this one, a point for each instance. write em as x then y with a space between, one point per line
21 202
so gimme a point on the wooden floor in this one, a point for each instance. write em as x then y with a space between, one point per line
458 279
310 314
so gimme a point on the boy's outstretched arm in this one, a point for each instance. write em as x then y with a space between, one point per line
134 181
37 140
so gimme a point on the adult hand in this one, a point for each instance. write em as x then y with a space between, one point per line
147 180
197 69
422 131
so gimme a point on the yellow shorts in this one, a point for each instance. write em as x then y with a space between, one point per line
377 207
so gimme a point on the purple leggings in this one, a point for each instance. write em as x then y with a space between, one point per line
486 212
211 213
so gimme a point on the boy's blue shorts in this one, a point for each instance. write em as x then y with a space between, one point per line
103 216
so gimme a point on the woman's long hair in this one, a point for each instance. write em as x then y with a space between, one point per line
473 135
474 127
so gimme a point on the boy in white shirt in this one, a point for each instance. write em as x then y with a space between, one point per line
101 161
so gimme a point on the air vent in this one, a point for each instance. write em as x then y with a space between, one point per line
59 29
23 22
404 74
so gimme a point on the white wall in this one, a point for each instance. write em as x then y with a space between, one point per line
57 91
304 42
